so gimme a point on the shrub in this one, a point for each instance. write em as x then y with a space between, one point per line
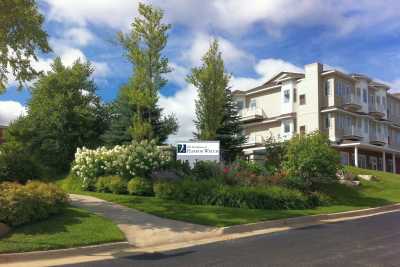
21 204
117 185
274 153
16 164
140 186
103 184
113 184
211 192
247 174
206 169
125 161
311 158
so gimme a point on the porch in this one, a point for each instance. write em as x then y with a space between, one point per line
369 157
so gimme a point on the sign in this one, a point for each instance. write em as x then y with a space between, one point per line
210 148
194 151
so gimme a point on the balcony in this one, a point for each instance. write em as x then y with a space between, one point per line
351 102
251 114
353 133
254 140
377 110
377 139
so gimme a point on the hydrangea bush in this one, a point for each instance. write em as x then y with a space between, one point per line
135 159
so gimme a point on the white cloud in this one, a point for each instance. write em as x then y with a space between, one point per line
182 104
79 36
235 16
10 110
178 74
101 69
201 43
265 69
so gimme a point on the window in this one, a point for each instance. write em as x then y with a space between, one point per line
378 100
253 104
358 92
294 95
366 125
327 121
286 127
302 129
365 98
327 88
239 105
383 101
286 96
359 124
302 99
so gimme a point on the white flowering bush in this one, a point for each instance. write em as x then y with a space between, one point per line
136 159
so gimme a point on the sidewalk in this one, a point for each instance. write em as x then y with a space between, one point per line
142 229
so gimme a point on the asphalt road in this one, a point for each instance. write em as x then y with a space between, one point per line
372 241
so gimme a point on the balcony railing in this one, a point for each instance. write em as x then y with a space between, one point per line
378 109
353 131
255 140
248 114
375 137
352 100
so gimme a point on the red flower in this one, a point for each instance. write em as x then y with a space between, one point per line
226 169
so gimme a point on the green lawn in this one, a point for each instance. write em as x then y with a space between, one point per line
75 227
370 194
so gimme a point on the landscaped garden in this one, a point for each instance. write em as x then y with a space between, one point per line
302 182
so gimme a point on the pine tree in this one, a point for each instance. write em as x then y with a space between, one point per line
230 134
216 113
138 101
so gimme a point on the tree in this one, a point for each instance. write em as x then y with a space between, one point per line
217 116
211 82
143 46
63 114
275 151
311 158
21 36
230 133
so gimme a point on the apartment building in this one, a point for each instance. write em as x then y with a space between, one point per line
360 116
2 129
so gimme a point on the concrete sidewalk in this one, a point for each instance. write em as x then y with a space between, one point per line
142 229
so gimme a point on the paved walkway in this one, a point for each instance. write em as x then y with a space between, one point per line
142 229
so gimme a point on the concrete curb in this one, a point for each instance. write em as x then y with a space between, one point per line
62 253
302 221
222 234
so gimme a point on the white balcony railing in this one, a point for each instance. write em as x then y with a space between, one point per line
351 100
251 113
376 108
254 140
376 137
353 131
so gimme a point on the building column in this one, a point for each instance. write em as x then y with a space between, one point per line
394 162
384 160
356 156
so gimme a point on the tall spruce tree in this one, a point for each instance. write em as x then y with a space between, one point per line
230 134
216 113
138 99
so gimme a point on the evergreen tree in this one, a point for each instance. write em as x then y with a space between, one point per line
216 113
230 134
138 99
211 82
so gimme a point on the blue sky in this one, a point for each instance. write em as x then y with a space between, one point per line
258 39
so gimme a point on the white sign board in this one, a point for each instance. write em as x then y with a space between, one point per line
198 148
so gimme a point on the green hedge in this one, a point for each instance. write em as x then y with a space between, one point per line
21 204
212 192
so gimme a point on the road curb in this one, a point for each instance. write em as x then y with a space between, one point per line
307 220
222 234
61 253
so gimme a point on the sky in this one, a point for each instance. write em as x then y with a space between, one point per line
258 39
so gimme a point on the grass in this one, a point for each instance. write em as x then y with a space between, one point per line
369 194
75 227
